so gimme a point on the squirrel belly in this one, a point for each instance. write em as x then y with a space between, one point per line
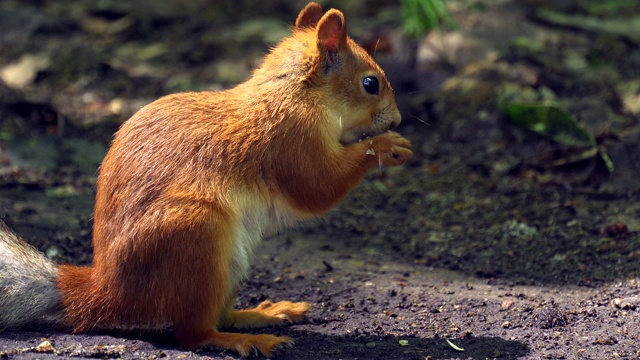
193 181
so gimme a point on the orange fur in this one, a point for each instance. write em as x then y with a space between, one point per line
193 181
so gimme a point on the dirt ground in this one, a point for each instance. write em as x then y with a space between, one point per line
492 242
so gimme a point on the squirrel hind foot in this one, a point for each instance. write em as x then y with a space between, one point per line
294 311
266 314
243 344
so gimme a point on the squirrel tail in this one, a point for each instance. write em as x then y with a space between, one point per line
28 290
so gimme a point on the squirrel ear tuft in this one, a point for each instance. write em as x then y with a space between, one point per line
309 16
332 31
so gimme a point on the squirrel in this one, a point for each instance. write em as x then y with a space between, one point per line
193 181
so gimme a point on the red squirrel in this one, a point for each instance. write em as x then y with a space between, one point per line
193 181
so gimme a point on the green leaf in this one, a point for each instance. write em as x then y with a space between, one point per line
550 121
421 16
607 160
454 346
557 124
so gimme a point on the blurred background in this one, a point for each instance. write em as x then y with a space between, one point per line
519 212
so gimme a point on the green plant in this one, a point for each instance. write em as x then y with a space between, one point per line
422 16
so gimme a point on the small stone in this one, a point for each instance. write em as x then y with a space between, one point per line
506 304
44 347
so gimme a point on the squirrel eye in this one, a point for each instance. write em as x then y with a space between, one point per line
371 85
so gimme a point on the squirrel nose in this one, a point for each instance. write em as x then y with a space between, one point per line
396 122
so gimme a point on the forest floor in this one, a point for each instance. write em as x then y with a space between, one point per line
492 242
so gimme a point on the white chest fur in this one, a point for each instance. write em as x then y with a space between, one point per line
256 219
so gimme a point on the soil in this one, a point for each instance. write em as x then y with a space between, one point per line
492 242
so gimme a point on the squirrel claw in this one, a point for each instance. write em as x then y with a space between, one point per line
286 320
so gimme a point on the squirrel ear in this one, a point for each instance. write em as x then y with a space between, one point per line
309 16
332 31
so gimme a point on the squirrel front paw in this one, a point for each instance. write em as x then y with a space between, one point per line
390 149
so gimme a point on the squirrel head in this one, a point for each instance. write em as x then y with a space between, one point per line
354 89
319 65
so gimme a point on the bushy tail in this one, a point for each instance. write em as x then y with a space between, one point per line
28 291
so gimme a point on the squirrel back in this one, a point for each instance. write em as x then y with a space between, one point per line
193 181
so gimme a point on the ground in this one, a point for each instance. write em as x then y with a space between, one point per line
492 242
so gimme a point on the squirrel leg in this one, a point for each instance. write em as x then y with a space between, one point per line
199 280
266 314
197 327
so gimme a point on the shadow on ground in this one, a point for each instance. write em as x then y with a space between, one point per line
308 345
